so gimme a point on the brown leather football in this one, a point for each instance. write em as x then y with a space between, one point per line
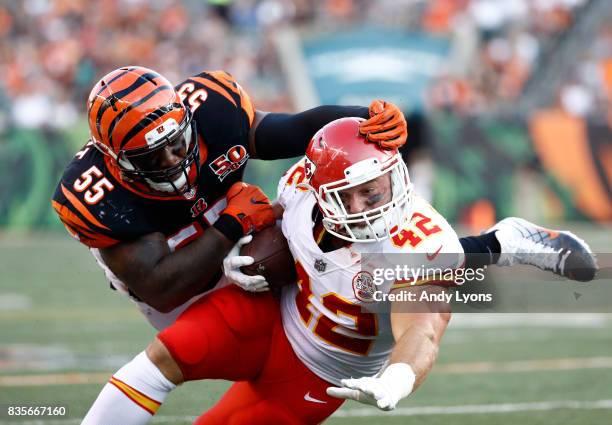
273 259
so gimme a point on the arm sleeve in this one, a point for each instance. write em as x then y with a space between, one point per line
287 135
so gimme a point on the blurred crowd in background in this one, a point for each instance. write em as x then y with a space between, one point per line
53 51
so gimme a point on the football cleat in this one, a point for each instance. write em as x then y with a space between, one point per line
558 251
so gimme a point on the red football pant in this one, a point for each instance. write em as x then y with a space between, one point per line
234 335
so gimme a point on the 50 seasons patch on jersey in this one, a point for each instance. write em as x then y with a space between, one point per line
364 287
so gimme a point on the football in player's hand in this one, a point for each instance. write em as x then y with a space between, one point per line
273 260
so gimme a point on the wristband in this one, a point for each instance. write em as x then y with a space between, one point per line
400 378
230 227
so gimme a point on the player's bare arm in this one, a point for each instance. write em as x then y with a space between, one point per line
417 329
164 279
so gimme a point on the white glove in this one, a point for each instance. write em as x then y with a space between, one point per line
231 268
384 392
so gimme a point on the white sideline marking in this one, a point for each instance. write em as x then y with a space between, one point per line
10 302
531 320
54 379
449 368
526 365
402 411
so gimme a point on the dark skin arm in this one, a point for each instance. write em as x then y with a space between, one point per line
165 279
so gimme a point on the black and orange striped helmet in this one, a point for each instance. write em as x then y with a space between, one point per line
135 115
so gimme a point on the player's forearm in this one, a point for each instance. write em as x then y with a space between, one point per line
287 135
165 279
189 270
418 346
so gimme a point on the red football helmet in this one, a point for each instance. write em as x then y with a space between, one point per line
135 114
339 158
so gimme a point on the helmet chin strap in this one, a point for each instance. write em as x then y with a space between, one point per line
181 181
167 187
177 183
377 231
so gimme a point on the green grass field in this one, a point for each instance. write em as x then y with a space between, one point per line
63 333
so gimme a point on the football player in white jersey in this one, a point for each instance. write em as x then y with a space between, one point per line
358 199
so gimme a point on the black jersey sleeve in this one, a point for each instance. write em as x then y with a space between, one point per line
287 135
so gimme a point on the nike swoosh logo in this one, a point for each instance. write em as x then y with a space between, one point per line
307 397
430 257
256 202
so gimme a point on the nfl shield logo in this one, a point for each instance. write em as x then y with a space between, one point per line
364 287
320 265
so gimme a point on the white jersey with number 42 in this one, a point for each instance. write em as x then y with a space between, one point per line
330 317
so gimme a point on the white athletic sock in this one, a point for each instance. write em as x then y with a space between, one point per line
132 395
